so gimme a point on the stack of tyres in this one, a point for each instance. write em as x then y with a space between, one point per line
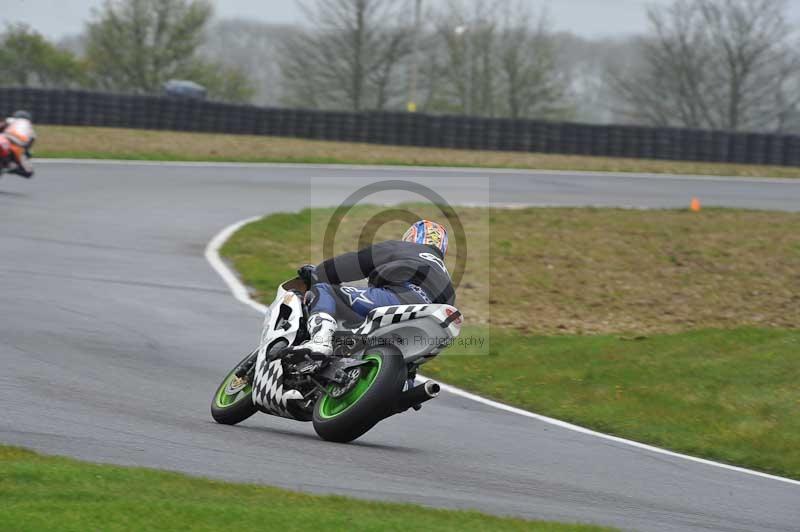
136 111
756 151
738 147
773 150
791 150
474 138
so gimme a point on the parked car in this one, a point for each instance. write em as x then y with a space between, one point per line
181 88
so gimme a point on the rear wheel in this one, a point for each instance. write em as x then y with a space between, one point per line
346 413
233 401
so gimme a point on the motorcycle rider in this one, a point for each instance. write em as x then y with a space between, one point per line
410 271
16 139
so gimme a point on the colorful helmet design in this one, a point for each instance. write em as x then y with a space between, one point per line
427 232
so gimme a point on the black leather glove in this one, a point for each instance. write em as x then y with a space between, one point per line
308 274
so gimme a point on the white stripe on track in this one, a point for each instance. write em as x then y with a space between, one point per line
241 294
236 287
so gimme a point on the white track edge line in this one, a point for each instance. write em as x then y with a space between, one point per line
432 169
240 292
236 287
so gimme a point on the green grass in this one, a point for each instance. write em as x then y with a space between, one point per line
698 368
114 143
577 270
50 493
729 395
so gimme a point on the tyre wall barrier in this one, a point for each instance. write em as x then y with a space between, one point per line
89 108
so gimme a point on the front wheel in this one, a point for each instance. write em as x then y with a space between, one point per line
233 401
342 415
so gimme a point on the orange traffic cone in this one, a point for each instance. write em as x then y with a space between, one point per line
695 206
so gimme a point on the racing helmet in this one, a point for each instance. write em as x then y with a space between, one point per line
428 232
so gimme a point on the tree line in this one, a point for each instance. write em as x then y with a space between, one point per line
717 64
128 45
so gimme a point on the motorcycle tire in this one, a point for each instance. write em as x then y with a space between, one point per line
345 418
232 404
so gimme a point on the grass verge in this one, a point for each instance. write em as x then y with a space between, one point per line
578 270
728 395
112 143
709 375
60 494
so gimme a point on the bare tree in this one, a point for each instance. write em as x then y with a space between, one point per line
481 57
349 58
751 37
787 97
496 60
720 64
585 63
532 83
467 33
252 47
396 47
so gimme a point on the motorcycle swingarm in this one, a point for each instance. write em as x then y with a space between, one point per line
336 371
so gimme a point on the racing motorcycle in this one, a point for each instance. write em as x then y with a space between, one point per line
16 139
370 376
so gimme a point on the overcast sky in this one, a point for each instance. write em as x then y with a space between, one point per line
57 18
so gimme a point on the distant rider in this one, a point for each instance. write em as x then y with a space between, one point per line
16 139
410 271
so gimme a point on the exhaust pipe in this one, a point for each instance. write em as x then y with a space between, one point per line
432 388
416 396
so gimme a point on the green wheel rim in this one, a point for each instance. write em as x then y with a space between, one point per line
225 399
333 406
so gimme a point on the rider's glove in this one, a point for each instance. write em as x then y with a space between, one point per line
308 274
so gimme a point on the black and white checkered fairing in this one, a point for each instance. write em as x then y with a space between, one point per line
383 316
268 387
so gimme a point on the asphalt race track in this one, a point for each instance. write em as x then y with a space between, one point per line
115 331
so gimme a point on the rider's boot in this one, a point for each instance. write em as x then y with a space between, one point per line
321 327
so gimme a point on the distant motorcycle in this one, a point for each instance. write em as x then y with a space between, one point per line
369 377
16 139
